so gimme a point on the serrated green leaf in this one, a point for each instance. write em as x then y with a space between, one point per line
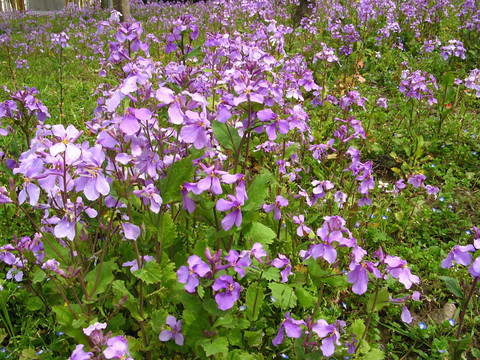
453 286
178 173
151 273
254 298
217 346
284 295
258 232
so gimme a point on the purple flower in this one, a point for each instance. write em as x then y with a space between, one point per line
358 276
54 266
399 270
6 256
417 180
95 327
239 262
132 232
194 132
189 276
279 263
134 263
302 229
292 329
474 269
280 201
406 316
65 145
175 331
117 348
258 252
79 354
460 254
92 180
330 335
150 195
226 299
235 202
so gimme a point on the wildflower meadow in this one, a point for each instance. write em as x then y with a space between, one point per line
240 180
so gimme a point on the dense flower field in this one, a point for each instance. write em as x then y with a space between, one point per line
220 180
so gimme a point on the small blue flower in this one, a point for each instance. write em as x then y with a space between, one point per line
273 299
441 198
242 307
39 352
474 153
443 145
388 210
344 305
422 325
473 136
451 322
3 350
434 210
433 165
372 216
384 217
468 232
59 333
442 351
347 358
450 206
284 356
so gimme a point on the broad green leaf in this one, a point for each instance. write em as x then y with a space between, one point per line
258 191
226 321
178 173
453 286
226 136
305 299
254 298
34 303
64 317
374 354
104 278
284 295
358 328
194 53
151 273
235 337
383 299
259 233
217 346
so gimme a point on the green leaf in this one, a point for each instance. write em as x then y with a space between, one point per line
284 295
151 273
358 328
28 354
64 317
453 286
218 345
258 191
211 307
383 299
178 173
52 248
254 298
224 321
235 337
226 136
194 53
305 299
476 353
104 278
38 276
240 355
34 303
375 354
258 232
169 230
